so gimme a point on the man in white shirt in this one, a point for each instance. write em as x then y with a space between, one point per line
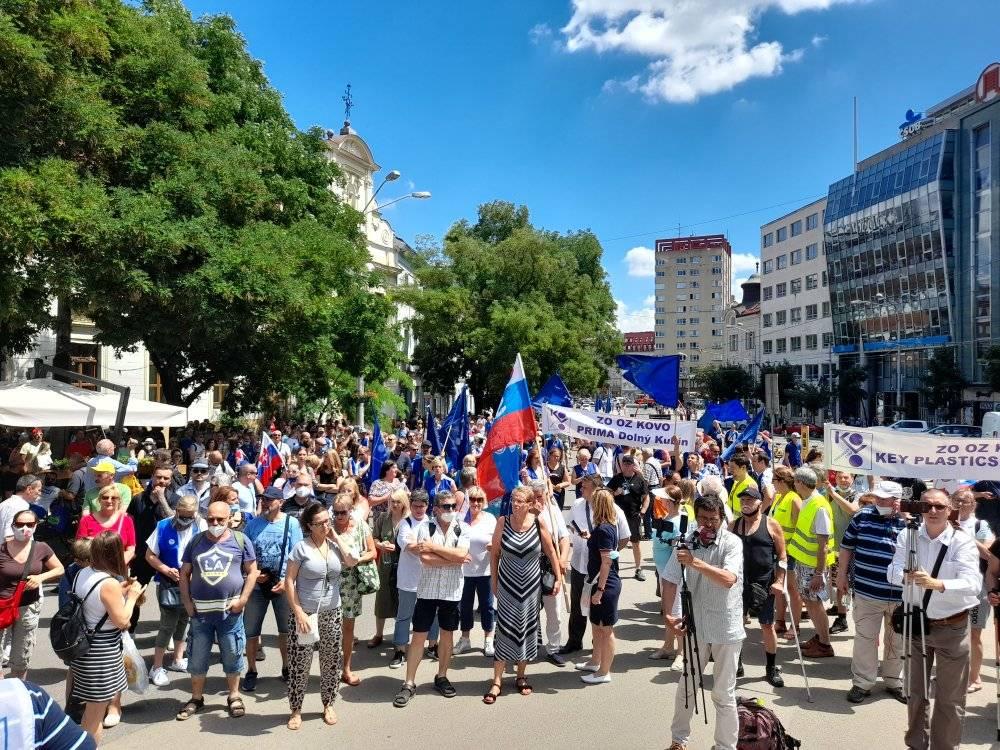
581 526
27 490
550 517
246 488
443 550
408 575
953 590
604 459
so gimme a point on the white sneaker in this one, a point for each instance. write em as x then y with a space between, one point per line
158 676
178 665
488 647
462 646
596 679
585 667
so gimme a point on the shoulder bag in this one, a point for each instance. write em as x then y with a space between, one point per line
10 607
898 617
366 573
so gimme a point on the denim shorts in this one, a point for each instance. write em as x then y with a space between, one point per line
232 639
256 611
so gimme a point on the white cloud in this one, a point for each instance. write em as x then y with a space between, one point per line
817 40
634 320
742 264
696 48
539 33
641 262
650 301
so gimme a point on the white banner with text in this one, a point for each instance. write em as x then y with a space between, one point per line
618 430
915 455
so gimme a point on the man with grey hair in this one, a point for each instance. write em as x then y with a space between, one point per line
247 487
27 491
813 554
105 451
552 519
583 468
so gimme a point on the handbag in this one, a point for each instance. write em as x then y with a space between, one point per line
548 577
898 617
10 607
366 573
169 596
311 637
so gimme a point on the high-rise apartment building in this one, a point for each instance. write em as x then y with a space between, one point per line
693 275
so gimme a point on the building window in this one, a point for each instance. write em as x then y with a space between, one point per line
796 228
682 285
812 221
696 295
716 258
768 266
682 345
695 357
812 371
824 278
681 272
795 343
812 312
681 261
811 280
780 290
696 261
768 347
734 342
781 317
661 321
812 341
812 251
781 262
694 321
219 394
716 331
750 341
681 308
781 235
85 359
154 390
682 321
768 292
694 344
694 284
826 309
779 346
795 257
827 339
767 240
682 296
795 286
767 320
680 334
660 273
795 315
717 271
694 272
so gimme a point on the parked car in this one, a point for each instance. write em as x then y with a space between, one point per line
910 425
991 424
644 400
815 430
957 430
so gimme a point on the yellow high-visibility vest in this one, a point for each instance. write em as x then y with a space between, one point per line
783 511
734 497
803 547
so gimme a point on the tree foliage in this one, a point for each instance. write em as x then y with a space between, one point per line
724 383
991 367
151 178
810 397
501 286
851 383
788 378
943 383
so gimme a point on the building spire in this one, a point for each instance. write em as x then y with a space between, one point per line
348 106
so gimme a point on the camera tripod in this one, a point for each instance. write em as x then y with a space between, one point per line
911 611
691 656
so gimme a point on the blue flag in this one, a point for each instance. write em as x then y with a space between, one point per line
729 411
431 433
748 435
657 376
454 431
379 453
609 404
554 392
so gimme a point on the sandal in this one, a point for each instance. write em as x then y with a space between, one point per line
490 698
190 708
521 683
353 681
375 642
974 687
235 706
405 695
329 716
294 722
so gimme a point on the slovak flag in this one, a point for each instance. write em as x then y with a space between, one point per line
514 424
269 461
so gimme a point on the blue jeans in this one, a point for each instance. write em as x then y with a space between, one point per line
256 611
477 587
232 639
404 614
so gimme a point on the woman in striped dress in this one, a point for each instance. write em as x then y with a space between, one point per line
515 556
109 597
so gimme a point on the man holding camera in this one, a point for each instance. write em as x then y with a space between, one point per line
946 594
712 560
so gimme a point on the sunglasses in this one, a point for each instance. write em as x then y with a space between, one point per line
109 497
25 524
199 471
448 506
341 512
324 522
932 507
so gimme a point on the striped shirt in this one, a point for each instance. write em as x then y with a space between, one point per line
871 538
53 728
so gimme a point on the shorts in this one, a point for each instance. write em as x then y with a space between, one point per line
232 639
634 526
256 610
979 616
765 615
804 574
425 610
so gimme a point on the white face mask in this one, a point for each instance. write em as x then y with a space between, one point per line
882 511
302 492
448 517
23 533
217 531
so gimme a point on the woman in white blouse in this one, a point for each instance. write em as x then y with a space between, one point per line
477 574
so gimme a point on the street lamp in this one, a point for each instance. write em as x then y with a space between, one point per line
391 177
420 195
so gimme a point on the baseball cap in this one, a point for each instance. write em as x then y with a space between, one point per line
274 493
104 466
201 463
750 492
628 458
149 441
795 434
888 489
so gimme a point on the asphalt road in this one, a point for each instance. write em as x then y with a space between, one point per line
633 711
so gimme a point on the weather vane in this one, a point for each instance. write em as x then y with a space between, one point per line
348 103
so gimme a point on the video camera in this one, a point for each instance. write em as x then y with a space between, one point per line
919 508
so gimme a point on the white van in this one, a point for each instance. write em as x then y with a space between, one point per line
991 424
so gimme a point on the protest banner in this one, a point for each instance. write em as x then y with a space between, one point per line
618 430
890 453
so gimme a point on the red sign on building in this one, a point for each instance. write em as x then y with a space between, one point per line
702 242
640 341
988 85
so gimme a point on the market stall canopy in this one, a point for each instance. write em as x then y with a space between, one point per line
49 403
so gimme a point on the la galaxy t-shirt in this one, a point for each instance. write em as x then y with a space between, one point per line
217 572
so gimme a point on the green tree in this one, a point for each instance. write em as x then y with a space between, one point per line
810 397
151 180
943 383
501 286
724 383
991 367
788 378
851 387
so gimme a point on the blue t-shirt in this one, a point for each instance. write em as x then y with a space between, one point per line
604 536
434 486
54 730
266 538
794 454
217 571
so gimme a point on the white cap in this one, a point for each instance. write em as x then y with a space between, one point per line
888 489
795 434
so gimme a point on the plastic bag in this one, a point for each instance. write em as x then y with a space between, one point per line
135 666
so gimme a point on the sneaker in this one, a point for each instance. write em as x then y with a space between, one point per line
857 694
818 650
773 676
431 652
585 667
832 610
570 648
488 648
158 676
639 575
739 670
897 693
249 682
556 659
398 659
839 625
462 646
260 653
595 679
178 665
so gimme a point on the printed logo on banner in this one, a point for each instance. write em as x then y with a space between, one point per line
561 418
853 448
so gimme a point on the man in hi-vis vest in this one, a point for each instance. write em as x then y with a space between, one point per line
812 550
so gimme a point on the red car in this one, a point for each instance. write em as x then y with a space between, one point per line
644 400
815 430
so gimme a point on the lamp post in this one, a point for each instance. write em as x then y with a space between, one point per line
419 195
391 177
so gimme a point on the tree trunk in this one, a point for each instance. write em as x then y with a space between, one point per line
64 335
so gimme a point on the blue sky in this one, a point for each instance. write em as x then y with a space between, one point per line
627 117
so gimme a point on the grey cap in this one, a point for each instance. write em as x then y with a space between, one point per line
273 493
201 463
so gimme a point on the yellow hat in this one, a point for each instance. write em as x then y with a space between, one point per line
104 466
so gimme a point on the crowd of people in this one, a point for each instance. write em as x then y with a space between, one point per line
749 532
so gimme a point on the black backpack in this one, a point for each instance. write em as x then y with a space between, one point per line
68 632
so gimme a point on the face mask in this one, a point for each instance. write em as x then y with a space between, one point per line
302 492
884 511
216 531
183 522
448 517
23 534
706 535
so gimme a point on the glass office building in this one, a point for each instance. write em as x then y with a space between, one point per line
911 239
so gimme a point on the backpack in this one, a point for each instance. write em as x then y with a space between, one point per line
760 728
68 632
